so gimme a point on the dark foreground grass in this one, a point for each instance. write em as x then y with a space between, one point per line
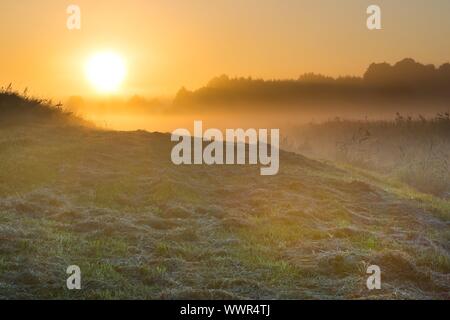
140 227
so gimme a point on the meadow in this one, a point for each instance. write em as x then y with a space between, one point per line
415 150
141 227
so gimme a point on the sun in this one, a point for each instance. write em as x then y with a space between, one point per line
106 71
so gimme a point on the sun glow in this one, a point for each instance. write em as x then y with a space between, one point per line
106 71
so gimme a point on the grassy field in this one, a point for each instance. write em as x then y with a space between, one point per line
413 150
140 227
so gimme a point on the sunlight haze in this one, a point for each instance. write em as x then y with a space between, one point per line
170 45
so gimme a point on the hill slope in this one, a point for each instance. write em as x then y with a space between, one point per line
141 227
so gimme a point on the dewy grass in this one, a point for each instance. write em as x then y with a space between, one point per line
140 227
441 207
412 150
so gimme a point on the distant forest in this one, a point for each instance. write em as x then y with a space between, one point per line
384 89
406 80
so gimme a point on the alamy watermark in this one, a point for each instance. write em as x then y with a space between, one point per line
229 148
74 19
374 19
73 282
374 280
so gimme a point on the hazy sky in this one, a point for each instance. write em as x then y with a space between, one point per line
172 43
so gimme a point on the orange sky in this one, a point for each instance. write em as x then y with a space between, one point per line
169 44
